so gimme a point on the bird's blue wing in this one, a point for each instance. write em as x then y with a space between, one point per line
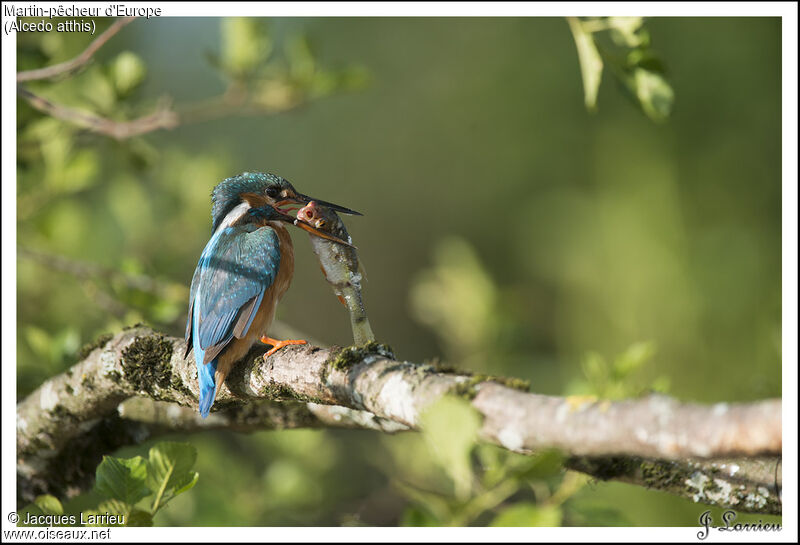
192 292
236 268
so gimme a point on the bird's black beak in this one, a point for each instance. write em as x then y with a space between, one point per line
305 199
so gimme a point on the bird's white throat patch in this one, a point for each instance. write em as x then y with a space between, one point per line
234 215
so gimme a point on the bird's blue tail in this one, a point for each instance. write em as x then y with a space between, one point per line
205 372
205 376
208 390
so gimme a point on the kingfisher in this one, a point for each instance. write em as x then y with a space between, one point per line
243 272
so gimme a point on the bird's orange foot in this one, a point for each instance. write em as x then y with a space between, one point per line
277 345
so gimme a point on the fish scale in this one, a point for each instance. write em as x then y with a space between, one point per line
340 265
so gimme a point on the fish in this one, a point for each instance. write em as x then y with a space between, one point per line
340 265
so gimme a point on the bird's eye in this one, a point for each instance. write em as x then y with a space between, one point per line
272 192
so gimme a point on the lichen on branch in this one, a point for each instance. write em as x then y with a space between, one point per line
139 383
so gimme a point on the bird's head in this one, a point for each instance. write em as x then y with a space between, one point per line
259 189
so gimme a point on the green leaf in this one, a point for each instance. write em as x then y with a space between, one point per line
416 516
528 514
128 71
169 462
122 479
492 459
49 505
114 507
590 61
245 45
139 517
624 30
78 173
654 93
99 89
633 358
595 368
437 506
26 512
545 464
42 505
644 58
52 43
188 484
450 427
109 507
169 470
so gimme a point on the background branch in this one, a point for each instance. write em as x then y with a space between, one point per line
73 65
230 103
654 441
245 94
273 96
162 118
85 270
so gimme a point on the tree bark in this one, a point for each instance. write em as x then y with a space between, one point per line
137 385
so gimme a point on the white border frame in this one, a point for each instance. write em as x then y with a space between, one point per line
786 10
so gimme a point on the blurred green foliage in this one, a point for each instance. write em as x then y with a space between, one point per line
132 489
505 231
630 57
460 302
468 484
618 379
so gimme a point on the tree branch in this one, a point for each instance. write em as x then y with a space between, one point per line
162 118
85 270
163 417
654 441
271 96
229 103
746 484
70 66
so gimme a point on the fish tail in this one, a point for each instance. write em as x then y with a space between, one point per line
362 331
